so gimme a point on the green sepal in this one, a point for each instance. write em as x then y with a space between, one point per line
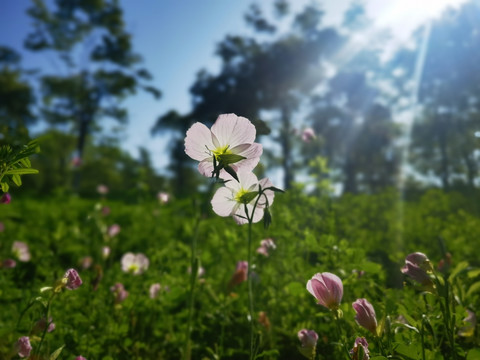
226 159
232 172
248 197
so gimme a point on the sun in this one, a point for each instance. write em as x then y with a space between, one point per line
403 16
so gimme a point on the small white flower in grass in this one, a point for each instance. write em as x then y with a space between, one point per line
21 251
230 135
231 199
134 263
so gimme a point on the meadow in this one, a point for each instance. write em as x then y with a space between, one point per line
362 239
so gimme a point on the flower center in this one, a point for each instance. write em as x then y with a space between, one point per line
133 268
244 196
221 151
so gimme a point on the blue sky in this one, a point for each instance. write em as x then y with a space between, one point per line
178 37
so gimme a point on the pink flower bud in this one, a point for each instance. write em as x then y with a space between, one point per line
360 346
6 198
86 262
240 275
102 189
120 293
308 338
23 346
365 315
41 324
80 357
327 288
417 267
154 290
9 263
308 135
265 246
106 252
163 197
113 230
73 280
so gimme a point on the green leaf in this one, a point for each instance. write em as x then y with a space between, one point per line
474 288
473 273
17 180
460 267
473 354
21 171
4 186
378 358
409 351
56 353
226 159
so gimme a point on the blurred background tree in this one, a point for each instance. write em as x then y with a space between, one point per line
16 99
98 65
375 117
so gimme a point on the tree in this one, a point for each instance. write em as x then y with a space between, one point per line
88 38
444 144
16 99
275 75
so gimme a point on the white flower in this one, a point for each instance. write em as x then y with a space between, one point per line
232 199
230 135
134 263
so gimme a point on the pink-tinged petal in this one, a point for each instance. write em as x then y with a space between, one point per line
198 141
257 215
240 149
365 315
265 183
255 150
233 130
205 167
73 280
223 202
240 217
252 155
327 288
247 179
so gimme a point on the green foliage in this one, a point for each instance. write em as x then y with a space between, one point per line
359 238
16 162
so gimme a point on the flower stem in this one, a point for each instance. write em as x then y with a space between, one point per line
340 335
250 290
47 324
193 279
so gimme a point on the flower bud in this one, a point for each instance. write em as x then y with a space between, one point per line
23 346
327 288
6 198
72 279
360 349
308 338
365 315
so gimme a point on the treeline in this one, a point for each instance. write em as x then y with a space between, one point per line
409 120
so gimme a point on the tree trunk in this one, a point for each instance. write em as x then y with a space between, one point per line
285 135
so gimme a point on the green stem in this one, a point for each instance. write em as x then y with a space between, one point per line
249 280
340 334
193 279
422 336
448 320
47 323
